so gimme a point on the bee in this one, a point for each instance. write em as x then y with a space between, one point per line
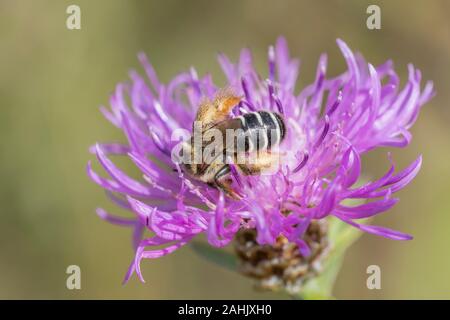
259 131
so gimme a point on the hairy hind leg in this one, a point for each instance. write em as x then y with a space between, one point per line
263 161
223 181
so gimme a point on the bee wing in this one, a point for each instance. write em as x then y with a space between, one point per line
234 124
228 127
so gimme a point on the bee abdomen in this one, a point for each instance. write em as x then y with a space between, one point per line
264 129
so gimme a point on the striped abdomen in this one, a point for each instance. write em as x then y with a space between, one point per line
263 129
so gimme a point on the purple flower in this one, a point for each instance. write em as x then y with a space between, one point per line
330 124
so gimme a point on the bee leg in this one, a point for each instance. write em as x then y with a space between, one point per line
262 162
223 182
249 170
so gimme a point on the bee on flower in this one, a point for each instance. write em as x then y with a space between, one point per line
317 136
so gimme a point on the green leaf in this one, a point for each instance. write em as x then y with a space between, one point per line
218 256
341 236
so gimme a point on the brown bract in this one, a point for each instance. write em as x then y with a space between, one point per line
281 266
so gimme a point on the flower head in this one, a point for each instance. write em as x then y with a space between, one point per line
329 125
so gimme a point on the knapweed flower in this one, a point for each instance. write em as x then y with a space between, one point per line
329 125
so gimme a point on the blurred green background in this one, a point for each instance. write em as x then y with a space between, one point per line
52 81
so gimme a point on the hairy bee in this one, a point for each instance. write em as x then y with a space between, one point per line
257 132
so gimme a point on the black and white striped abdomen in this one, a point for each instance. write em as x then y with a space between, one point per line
263 129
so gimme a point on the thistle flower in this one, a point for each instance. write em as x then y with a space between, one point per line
330 124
